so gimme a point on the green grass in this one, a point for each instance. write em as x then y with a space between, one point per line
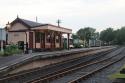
123 67
10 50
1 53
117 75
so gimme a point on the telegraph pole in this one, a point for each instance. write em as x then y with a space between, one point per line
58 22
36 19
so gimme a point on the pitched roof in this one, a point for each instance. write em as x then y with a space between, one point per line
29 24
32 24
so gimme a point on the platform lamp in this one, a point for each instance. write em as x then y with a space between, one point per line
7 29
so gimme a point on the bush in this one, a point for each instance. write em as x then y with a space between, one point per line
77 46
11 49
1 53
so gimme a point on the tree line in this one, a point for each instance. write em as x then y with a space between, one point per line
113 36
108 36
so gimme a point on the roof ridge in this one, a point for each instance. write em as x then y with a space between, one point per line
29 20
30 23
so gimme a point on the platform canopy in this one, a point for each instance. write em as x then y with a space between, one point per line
53 27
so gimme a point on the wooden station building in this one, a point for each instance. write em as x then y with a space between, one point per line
36 35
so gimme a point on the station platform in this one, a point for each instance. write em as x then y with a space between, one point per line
11 62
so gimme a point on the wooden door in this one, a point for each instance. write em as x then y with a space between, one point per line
30 39
42 40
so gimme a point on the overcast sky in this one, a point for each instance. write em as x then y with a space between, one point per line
75 14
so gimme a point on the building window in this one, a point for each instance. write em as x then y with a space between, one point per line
57 39
48 38
37 37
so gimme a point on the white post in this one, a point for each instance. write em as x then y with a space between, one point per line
1 46
99 43
84 43
94 42
89 43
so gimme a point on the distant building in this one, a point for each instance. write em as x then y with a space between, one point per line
78 41
94 43
65 45
2 37
36 35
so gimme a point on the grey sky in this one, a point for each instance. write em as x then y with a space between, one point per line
75 14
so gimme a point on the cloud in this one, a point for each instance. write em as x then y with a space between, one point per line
74 13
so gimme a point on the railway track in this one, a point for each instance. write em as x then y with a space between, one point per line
85 71
106 64
20 78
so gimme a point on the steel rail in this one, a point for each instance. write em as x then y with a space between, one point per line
61 74
78 80
18 75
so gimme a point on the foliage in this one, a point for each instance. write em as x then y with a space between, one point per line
1 53
113 36
107 35
75 36
117 75
86 33
11 49
78 45
96 35
120 36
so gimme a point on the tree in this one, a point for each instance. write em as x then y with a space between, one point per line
96 36
107 35
86 33
75 36
120 36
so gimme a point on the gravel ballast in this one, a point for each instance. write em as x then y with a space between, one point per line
104 76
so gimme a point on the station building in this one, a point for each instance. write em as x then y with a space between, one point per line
36 35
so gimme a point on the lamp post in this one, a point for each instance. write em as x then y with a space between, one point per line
58 21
